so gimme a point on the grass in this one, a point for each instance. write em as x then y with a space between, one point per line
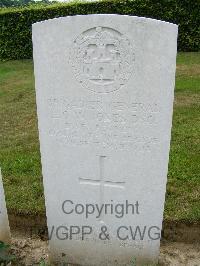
183 189
19 146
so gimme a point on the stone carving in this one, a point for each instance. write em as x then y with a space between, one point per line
102 182
81 122
102 59
104 103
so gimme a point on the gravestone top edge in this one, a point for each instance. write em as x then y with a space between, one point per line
136 18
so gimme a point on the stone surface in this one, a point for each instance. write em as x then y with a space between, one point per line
4 225
104 89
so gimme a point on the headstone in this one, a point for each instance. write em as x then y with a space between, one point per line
104 89
4 224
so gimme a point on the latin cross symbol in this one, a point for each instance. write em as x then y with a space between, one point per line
102 181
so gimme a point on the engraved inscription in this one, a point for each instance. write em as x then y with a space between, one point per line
102 59
115 125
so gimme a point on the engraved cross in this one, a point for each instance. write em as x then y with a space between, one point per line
102 182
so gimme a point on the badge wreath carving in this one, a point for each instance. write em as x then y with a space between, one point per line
102 59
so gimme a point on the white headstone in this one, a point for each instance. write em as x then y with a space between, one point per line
104 87
4 224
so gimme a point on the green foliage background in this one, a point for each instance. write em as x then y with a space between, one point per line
19 3
15 24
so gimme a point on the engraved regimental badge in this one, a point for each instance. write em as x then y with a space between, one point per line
102 59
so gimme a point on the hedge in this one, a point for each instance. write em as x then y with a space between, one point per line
15 24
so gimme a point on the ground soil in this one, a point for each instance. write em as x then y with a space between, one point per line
30 251
180 245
